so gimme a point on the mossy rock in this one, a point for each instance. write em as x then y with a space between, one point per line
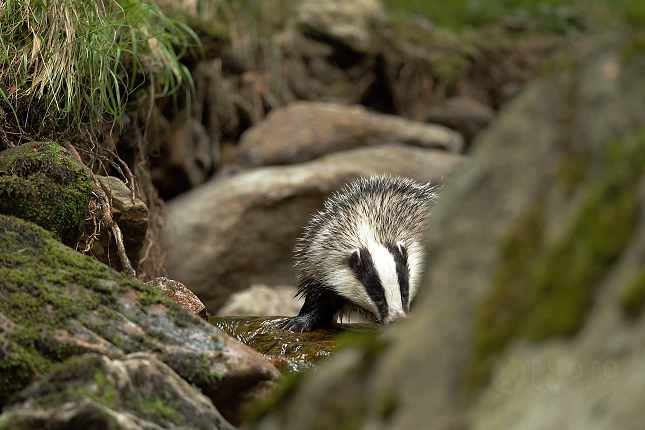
42 183
137 391
57 303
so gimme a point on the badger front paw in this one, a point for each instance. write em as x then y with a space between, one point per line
299 324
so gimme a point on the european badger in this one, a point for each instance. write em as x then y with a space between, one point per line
364 251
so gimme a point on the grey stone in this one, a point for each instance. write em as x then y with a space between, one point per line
463 114
303 131
92 391
262 300
349 22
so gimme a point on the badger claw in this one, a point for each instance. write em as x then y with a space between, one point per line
299 324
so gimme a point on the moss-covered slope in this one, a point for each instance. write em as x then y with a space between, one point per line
57 303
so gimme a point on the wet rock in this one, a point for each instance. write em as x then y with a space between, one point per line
92 391
535 249
58 303
348 22
262 300
303 131
41 182
463 114
130 213
261 212
177 292
289 351
186 157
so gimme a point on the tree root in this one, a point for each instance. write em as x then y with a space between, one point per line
106 211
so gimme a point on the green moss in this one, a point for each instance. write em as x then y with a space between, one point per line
195 369
632 298
369 343
68 381
389 405
40 182
99 378
44 285
156 408
544 289
634 46
573 169
552 16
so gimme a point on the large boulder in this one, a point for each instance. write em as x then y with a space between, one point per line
57 303
92 391
531 312
303 131
239 230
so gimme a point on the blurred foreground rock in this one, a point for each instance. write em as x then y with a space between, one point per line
304 131
94 392
530 315
238 230
57 303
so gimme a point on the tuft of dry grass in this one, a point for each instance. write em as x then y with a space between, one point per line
85 58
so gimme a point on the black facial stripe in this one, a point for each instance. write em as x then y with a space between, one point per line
400 254
361 263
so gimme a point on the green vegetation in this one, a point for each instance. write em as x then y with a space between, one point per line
632 298
82 59
545 288
558 16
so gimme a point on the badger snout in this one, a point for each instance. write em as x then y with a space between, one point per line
395 314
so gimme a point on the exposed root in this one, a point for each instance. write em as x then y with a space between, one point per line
106 214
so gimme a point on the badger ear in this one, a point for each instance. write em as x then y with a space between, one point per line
354 259
402 249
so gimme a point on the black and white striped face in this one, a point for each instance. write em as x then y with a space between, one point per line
383 272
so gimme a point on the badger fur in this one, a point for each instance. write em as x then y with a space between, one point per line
364 251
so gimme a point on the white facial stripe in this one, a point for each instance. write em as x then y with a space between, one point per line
352 289
386 269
